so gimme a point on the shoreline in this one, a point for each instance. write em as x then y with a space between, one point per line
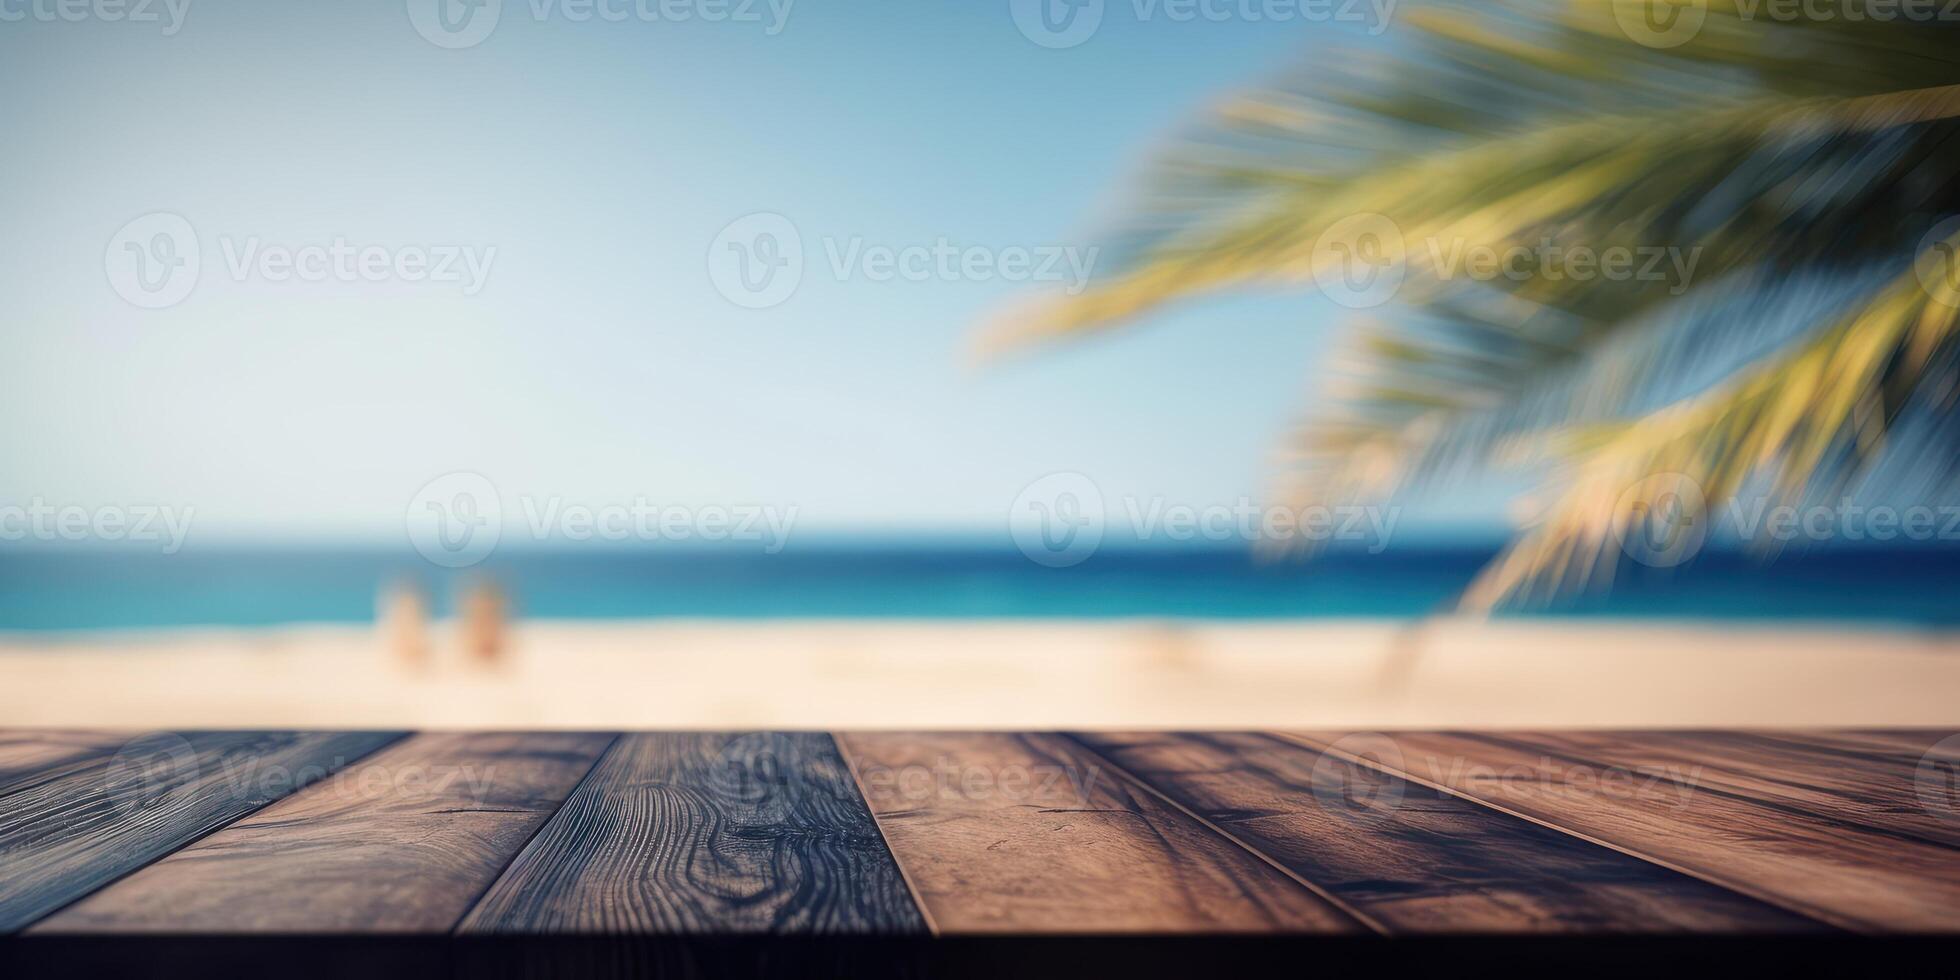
16 638
999 674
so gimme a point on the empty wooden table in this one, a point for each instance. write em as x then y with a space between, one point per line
917 841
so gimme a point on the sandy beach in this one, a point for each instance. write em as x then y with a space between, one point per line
997 674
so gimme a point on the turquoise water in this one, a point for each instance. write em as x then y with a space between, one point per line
246 587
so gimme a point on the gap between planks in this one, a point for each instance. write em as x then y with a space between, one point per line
904 874
455 928
1718 880
1373 924
384 739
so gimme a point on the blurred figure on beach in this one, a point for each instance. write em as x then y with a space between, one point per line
480 633
404 625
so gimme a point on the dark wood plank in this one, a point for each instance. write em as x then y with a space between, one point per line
108 815
403 841
1416 859
1870 789
694 833
38 754
1032 834
1843 874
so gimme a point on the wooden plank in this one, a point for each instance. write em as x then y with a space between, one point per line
1823 868
1416 859
697 833
110 814
1869 789
33 754
1905 746
403 841
1032 834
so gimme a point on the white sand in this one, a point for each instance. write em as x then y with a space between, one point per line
992 674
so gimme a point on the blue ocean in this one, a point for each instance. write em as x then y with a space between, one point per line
247 586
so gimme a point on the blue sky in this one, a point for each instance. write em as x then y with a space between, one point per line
598 361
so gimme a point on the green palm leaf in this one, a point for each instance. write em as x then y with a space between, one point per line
1767 156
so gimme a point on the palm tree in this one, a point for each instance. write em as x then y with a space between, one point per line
1784 191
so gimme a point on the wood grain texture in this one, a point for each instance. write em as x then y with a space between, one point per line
1907 747
1844 874
403 841
108 814
1030 833
1872 789
30 754
697 833
1418 860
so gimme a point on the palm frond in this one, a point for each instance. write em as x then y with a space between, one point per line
1792 162
1817 414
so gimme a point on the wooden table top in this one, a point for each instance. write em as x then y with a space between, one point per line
941 834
